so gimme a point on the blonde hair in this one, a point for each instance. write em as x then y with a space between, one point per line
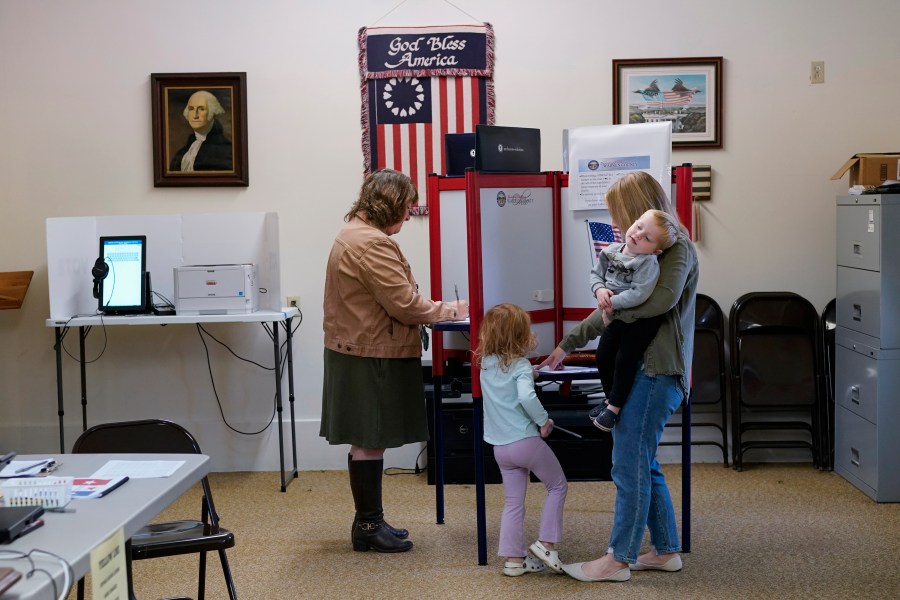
633 195
506 332
668 227
384 197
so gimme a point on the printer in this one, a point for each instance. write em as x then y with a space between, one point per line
216 289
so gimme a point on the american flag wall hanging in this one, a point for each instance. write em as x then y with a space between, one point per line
417 84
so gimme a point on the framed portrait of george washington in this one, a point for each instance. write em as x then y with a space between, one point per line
199 129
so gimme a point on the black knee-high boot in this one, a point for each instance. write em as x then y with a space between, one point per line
369 531
400 533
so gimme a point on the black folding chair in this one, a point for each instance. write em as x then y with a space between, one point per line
173 537
776 370
708 373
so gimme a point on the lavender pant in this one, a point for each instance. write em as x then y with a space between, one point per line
516 460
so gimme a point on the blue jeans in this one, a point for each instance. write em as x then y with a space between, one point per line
642 497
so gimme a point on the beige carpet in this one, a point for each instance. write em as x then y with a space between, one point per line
771 531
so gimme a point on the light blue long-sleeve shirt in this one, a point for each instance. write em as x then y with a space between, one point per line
512 411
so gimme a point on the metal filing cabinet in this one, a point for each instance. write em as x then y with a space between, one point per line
867 345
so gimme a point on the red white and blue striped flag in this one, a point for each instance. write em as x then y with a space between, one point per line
419 83
602 235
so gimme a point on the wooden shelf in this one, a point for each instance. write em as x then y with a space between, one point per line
13 286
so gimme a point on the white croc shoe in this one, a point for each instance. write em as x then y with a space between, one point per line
549 557
529 565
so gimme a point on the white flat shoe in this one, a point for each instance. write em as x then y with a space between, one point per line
671 565
575 571
529 565
549 557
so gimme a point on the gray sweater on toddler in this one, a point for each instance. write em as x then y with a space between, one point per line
630 278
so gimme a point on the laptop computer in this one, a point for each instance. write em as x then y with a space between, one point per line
459 151
507 149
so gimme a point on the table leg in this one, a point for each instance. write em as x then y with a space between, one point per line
60 410
478 426
82 335
278 406
290 366
129 573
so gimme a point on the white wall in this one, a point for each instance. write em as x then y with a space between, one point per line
75 140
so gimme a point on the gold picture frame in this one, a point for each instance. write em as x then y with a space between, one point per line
209 108
684 91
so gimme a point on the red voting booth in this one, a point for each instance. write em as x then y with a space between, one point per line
511 238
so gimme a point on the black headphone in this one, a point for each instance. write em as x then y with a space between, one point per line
99 271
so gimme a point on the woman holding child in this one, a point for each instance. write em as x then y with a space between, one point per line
642 496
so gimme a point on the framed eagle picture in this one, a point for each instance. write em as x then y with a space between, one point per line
687 92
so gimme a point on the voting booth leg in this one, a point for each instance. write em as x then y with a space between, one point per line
478 428
686 476
438 398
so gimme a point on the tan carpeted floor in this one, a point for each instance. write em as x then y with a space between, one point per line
771 531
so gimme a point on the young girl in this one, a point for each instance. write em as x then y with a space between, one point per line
515 423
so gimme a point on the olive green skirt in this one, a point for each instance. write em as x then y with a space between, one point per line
373 402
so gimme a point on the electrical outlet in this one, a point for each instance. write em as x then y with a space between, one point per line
817 71
293 301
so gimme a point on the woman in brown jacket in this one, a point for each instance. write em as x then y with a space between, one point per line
373 395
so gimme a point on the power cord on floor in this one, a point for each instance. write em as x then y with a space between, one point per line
416 470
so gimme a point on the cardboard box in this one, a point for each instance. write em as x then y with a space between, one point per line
871 169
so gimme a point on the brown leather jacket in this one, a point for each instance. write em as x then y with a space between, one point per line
372 305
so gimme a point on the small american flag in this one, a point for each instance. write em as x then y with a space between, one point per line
602 235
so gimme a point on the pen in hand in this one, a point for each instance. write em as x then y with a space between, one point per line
456 293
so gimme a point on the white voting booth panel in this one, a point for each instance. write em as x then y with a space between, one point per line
515 228
172 241
517 253
454 273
